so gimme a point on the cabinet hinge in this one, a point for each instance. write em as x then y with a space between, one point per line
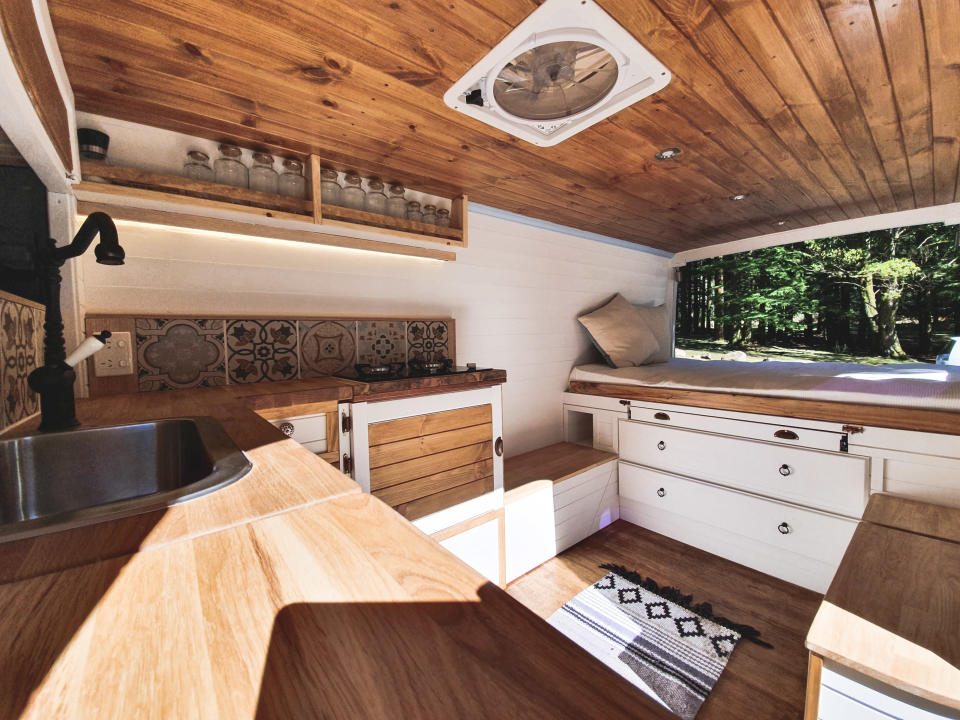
346 424
852 429
346 465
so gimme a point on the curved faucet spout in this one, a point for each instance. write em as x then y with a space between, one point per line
108 250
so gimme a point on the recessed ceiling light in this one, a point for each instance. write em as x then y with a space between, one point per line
567 66
781 222
739 196
667 153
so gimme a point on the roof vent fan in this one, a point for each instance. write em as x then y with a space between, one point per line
564 68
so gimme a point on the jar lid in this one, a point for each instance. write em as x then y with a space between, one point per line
375 183
295 165
352 178
413 205
263 158
230 151
328 173
431 208
198 155
396 189
443 211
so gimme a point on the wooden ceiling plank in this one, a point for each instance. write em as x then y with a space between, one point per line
706 31
791 43
904 44
665 40
857 39
941 20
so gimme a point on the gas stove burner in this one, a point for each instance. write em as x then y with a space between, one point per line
431 367
366 370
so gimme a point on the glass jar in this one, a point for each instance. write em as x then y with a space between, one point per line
352 193
228 170
375 201
413 211
443 217
429 214
330 189
197 166
396 205
292 183
263 177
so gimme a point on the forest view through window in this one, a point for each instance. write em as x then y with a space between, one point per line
885 296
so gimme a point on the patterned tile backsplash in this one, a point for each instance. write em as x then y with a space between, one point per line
21 351
179 353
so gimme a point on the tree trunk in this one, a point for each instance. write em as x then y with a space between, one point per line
871 314
887 319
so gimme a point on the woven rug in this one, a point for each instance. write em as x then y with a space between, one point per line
653 636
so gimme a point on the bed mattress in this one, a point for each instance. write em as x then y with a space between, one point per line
934 387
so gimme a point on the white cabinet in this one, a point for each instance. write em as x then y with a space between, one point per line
479 547
842 697
529 527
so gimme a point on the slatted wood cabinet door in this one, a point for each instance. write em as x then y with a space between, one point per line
426 463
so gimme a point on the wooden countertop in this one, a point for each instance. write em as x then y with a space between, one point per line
892 611
338 609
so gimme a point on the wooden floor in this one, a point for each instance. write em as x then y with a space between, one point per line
758 683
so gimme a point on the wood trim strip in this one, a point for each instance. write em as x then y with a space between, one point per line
897 418
460 527
196 222
431 464
316 195
418 447
21 33
422 487
419 425
361 217
812 697
282 413
10 297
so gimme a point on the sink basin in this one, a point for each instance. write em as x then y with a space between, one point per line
55 481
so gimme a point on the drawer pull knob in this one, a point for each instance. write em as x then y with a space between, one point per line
498 447
786 435
661 416
661 445
661 492
784 528
785 470
286 428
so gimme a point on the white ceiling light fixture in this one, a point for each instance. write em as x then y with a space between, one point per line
567 66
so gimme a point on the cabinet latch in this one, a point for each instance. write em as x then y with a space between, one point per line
852 429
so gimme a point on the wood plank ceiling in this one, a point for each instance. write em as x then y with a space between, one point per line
820 110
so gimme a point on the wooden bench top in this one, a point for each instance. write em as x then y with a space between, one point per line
554 462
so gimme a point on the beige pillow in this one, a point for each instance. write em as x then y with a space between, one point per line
621 333
660 321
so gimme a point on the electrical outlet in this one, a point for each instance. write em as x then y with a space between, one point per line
116 357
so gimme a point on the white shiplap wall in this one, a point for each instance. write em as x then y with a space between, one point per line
515 293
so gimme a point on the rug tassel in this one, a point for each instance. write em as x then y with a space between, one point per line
675 596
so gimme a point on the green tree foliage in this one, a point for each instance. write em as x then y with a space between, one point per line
856 293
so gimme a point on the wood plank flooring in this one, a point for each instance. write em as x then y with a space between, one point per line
766 684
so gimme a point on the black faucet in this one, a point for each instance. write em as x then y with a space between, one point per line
53 381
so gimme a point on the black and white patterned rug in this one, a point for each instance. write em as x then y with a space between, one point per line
653 636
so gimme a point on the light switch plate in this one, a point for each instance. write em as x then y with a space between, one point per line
116 357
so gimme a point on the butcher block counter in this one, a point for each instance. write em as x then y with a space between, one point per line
288 594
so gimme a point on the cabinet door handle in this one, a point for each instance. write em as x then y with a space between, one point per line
784 528
661 492
661 416
661 445
498 447
785 470
286 428
786 435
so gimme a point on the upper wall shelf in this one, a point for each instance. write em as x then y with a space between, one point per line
130 184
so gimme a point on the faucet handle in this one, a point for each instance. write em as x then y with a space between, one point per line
87 348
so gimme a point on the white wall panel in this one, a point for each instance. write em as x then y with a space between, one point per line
515 293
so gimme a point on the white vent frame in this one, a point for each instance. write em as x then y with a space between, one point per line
640 74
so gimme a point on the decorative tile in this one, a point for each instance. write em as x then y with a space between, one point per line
326 347
381 341
21 350
427 341
259 350
177 354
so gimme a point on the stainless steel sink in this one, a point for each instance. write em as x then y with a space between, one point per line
55 481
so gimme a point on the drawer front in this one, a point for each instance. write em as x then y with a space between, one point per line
305 429
787 527
836 482
771 432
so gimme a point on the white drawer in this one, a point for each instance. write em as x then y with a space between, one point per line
784 434
837 482
306 428
787 527
844 698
